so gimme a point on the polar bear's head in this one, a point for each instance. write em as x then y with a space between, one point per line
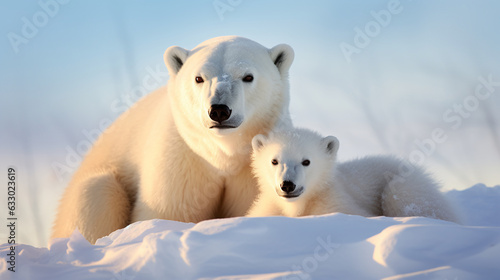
225 91
293 162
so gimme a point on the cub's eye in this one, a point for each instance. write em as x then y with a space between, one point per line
274 162
306 162
247 78
199 80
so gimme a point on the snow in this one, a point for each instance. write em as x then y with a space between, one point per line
333 246
483 205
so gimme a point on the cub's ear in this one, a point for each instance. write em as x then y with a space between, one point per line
282 56
174 58
258 141
331 145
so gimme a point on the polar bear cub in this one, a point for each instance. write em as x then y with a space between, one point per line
298 175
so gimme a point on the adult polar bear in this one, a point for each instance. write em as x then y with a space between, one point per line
183 152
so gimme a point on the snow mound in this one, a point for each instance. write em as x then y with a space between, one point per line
330 246
479 205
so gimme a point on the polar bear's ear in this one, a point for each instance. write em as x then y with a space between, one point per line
282 56
331 144
258 141
174 58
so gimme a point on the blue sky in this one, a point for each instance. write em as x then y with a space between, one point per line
88 55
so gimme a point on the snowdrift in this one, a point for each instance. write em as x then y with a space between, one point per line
333 246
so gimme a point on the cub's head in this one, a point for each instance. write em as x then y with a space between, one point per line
227 84
293 163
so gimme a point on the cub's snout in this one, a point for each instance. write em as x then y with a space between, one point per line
288 190
287 187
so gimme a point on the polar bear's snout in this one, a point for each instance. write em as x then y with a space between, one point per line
219 112
226 105
222 118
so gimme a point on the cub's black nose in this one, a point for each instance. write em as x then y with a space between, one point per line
219 112
287 186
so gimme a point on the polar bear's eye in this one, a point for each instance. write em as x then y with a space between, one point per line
199 80
306 162
248 78
274 162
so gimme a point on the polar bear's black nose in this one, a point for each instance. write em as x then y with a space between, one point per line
219 112
287 186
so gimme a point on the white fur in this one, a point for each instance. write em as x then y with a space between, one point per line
164 159
371 186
